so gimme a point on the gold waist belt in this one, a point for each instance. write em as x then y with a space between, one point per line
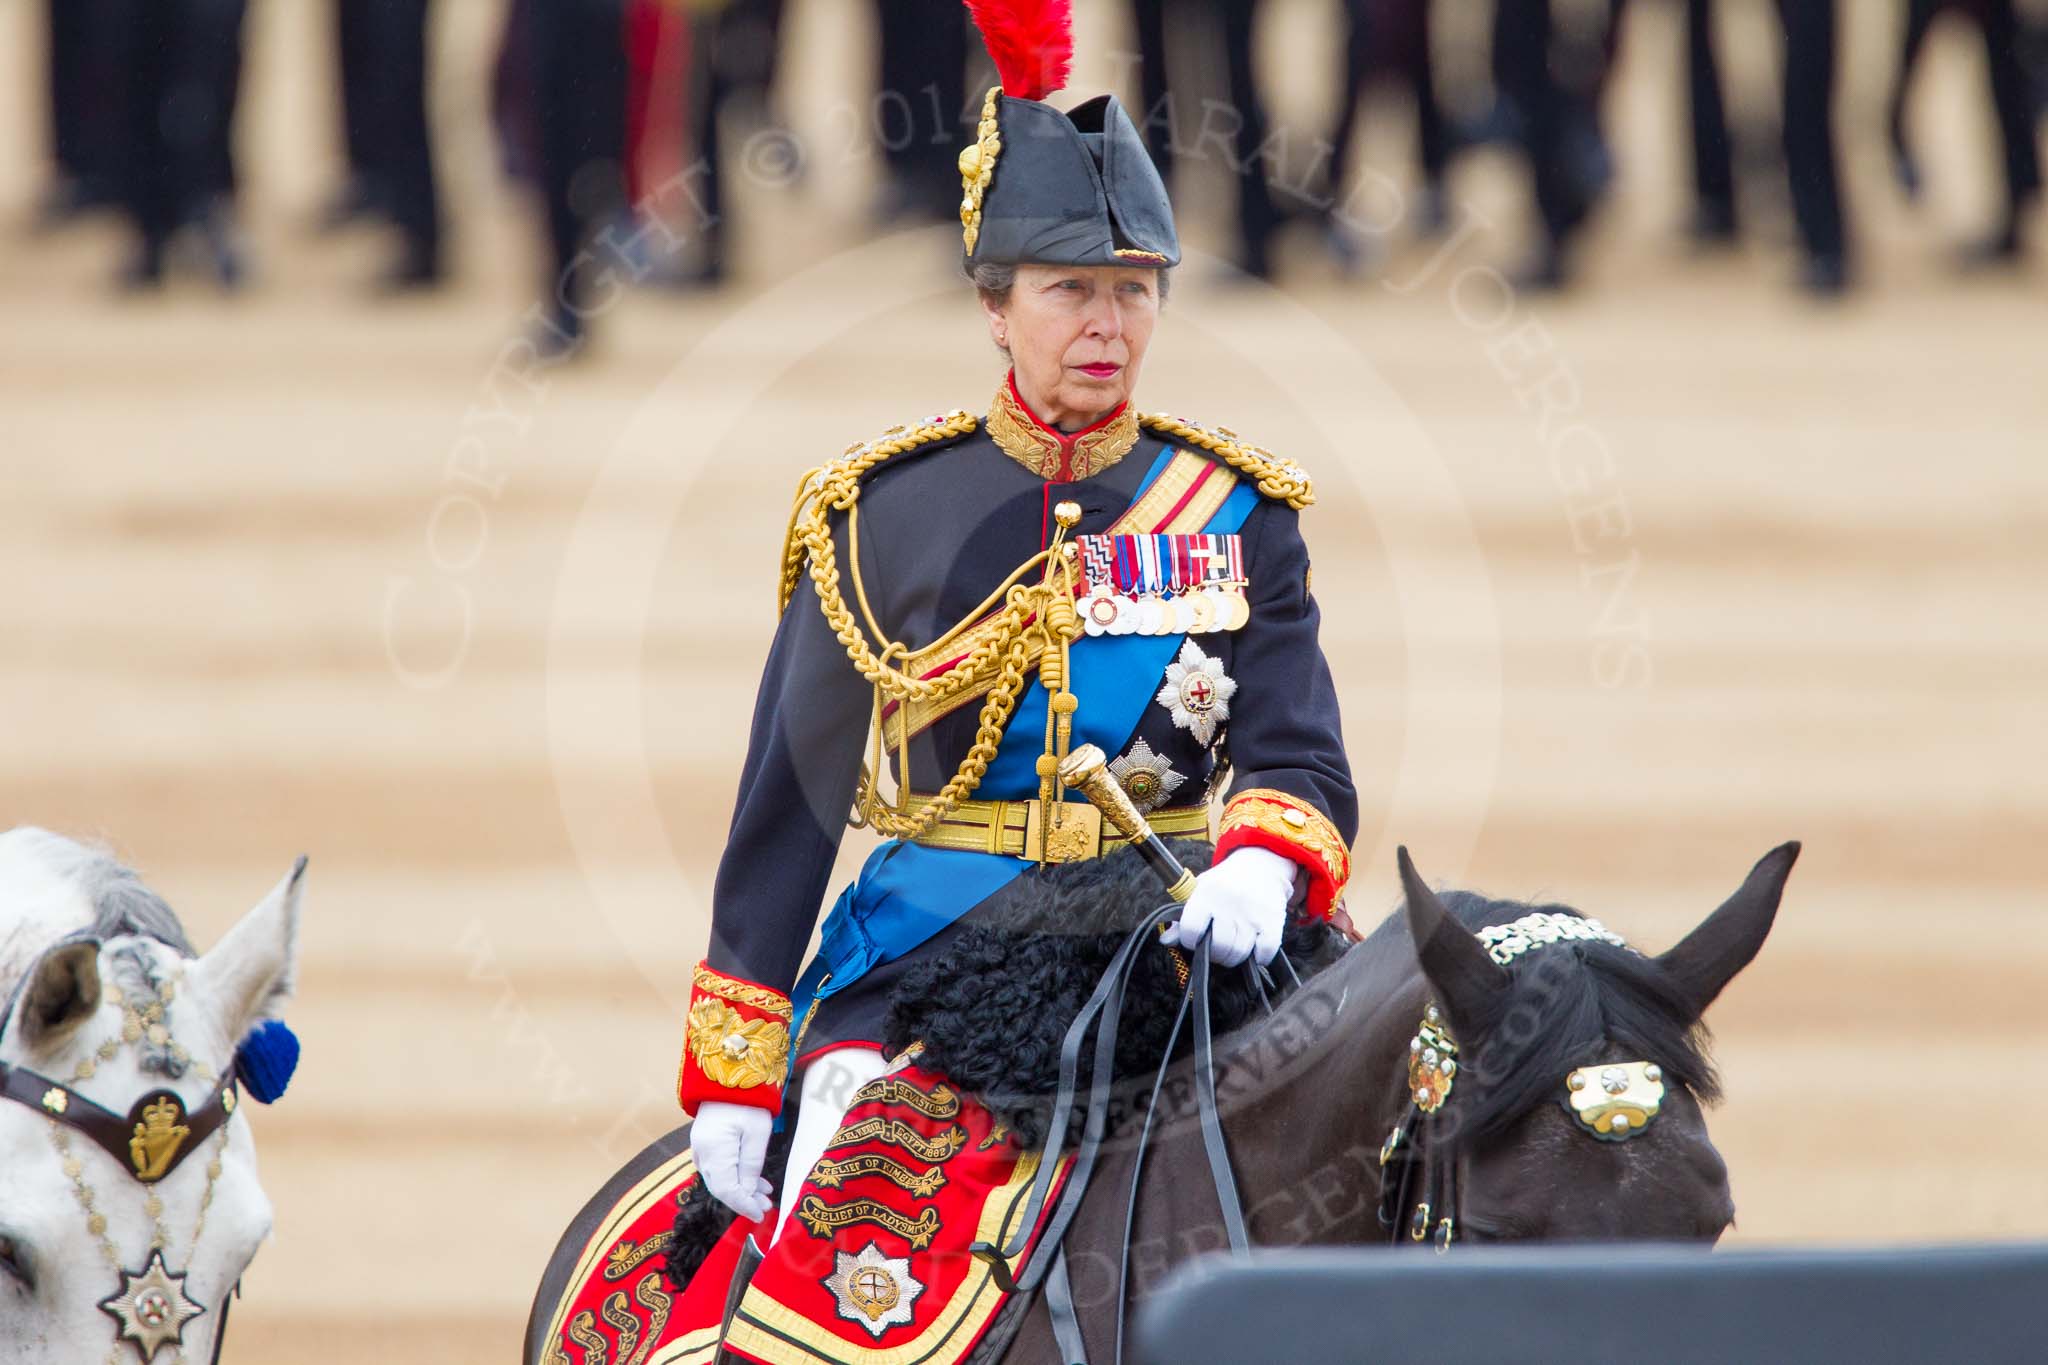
1020 829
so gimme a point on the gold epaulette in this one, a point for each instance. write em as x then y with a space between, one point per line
829 485
1282 480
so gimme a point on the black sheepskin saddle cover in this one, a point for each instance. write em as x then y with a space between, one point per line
993 1009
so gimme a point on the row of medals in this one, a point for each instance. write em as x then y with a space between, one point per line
1196 612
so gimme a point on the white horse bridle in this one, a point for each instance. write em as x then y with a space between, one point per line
150 1141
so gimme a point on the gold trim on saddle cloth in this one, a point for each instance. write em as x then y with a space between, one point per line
1187 493
657 1185
698 1348
1014 828
769 1331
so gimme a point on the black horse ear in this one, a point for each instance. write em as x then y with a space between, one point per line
1708 958
1465 976
63 992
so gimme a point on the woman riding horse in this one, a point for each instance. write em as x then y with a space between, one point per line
983 595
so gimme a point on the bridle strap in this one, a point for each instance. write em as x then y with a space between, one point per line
1442 1165
1205 1103
1123 1260
1419 1183
1059 1306
220 1327
142 1140
1194 998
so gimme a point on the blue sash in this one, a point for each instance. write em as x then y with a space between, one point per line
906 892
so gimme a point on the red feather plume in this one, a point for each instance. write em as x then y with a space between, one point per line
1032 42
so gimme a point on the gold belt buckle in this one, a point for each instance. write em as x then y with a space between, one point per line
1077 834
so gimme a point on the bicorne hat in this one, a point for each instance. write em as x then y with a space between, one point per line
1038 185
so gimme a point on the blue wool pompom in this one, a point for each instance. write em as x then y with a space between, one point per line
268 1056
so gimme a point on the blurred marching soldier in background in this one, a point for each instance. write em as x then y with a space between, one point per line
84 144
921 97
733 70
1550 76
2014 102
1810 63
1156 123
1155 120
357 197
182 61
381 50
576 50
1391 36
1233 23
1258 218
1808 131
404 140
1714 221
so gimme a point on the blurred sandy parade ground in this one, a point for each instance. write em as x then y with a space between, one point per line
1622 587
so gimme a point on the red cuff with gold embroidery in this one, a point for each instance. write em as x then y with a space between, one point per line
736 1044
1287 825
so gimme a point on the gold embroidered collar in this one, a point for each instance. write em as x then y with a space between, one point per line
1058 455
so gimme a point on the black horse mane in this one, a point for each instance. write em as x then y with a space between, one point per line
1564 1006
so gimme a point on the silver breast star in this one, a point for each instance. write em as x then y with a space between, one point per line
152 1307
1148 778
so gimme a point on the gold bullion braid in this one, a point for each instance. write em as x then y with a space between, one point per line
978 167
649 1293
741 992
596 1350
619 1314
835 487
1281 480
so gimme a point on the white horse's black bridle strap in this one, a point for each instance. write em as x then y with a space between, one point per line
149 1142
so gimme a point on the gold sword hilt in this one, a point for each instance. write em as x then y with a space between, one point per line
1086 770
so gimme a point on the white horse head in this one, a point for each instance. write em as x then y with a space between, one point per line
105 1002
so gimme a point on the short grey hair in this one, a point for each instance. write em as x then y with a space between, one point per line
993 280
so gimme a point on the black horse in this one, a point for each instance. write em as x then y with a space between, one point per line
1492 1057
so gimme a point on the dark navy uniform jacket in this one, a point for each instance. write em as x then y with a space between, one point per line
939 528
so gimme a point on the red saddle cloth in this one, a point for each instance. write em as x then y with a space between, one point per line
872 1268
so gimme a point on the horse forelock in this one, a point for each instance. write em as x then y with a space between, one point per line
1565 1005
56 890
117 901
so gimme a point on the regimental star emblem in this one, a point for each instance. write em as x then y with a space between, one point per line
874 1290
1147 778
1198 692
151 1307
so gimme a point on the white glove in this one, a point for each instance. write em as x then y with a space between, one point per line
730 1141
1244 898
